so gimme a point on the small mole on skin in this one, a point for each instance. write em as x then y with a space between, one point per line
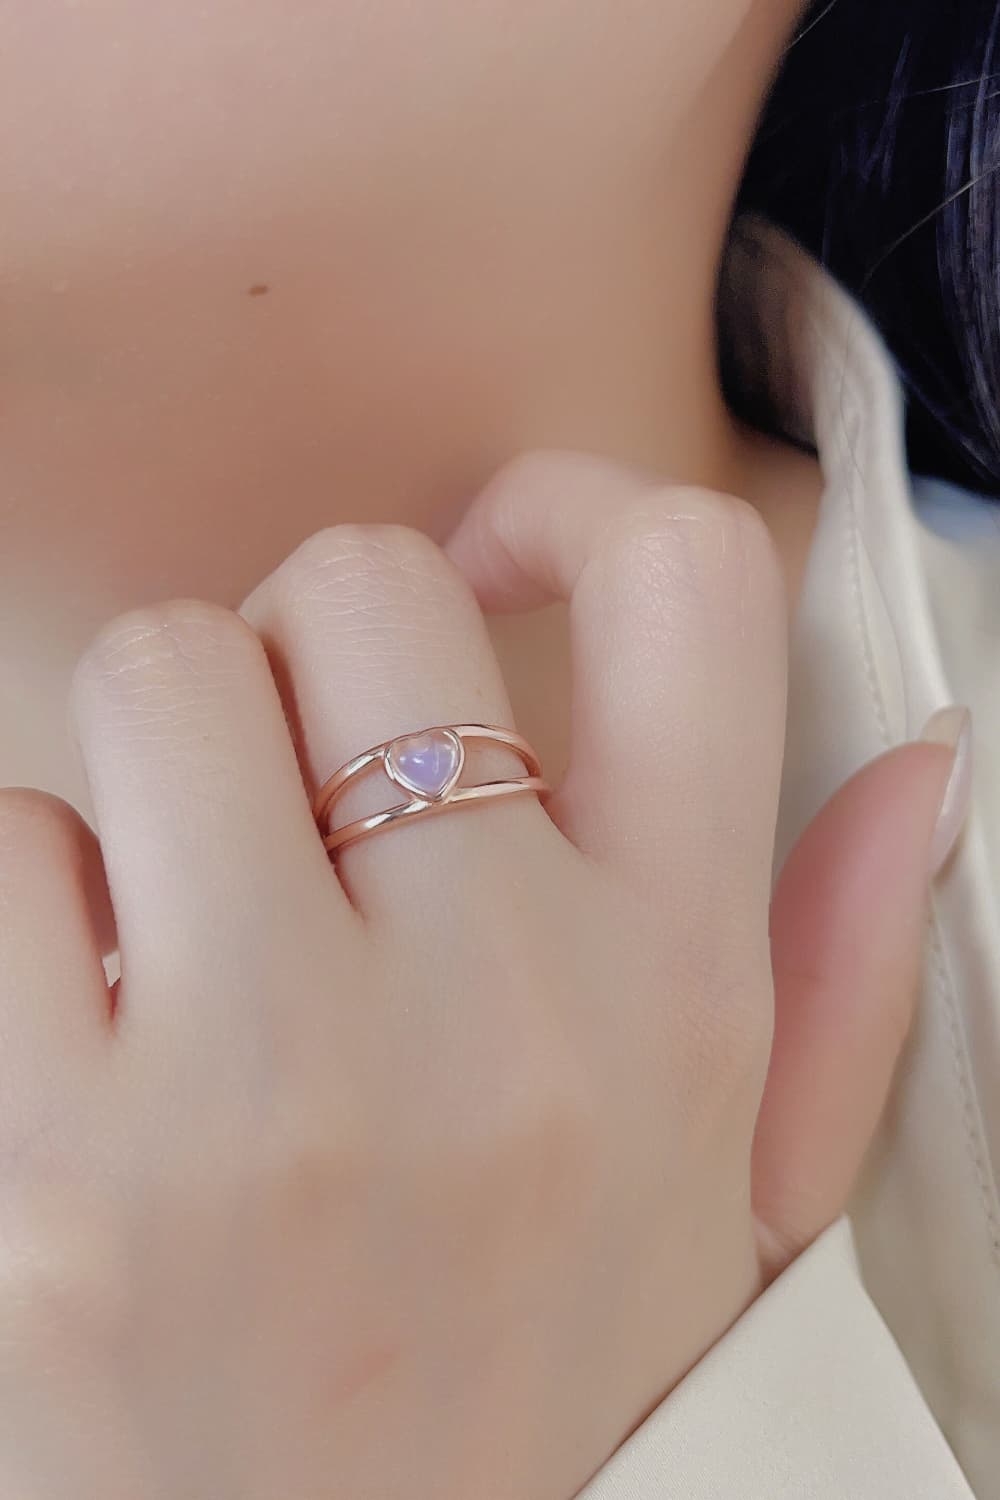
259 290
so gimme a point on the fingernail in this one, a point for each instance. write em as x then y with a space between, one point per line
951 727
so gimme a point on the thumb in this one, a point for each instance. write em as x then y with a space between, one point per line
848 923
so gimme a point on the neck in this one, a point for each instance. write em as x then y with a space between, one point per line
181 439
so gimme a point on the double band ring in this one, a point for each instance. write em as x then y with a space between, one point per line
428 766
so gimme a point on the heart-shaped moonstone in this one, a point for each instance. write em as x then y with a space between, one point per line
428 764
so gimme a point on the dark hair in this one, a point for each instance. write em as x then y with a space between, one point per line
879 152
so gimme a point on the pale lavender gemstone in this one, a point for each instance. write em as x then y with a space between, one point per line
427 763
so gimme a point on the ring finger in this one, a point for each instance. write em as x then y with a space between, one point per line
374 633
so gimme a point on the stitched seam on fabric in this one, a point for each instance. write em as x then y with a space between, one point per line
976 1143
975 1135
977 1146
861 621
808 300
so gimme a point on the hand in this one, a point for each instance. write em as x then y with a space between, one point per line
428 1175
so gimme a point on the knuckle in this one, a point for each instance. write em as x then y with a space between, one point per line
353 562
32 821
755 557
156 644
313 1166
699 546
38 843
539 470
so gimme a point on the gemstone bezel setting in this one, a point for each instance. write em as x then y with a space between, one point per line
427 764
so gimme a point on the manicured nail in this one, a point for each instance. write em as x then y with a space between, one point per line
951 727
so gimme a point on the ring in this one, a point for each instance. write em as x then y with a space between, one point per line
427 765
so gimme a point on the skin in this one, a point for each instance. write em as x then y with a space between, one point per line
430 1173
451 283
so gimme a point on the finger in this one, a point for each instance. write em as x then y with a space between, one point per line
679 639
374 633
204 821
54 997
848 928
95 884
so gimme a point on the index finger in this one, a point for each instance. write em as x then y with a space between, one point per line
679 632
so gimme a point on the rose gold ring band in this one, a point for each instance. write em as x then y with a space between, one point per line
427 766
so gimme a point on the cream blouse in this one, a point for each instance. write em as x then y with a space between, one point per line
871 1369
